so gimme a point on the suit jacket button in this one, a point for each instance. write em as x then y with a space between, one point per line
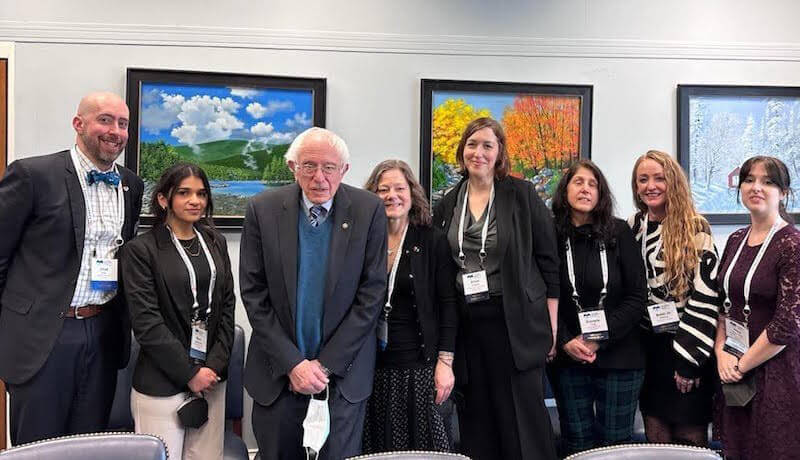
61 314
410 275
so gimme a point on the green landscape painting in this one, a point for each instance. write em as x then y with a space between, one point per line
237 135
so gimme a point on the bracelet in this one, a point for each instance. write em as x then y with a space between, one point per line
446 354
446 363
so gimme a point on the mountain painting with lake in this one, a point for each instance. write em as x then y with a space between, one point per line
237 135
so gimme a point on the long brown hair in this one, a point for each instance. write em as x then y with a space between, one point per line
420 212
680 225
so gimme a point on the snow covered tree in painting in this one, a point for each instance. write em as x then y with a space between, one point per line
725 131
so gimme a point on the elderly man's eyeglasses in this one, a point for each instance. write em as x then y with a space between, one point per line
309 169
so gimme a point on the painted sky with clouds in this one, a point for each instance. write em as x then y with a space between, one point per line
193 114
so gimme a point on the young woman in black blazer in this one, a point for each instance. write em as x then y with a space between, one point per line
599 369
505 247
178 282
414 369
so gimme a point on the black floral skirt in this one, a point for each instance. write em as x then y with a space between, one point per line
402 414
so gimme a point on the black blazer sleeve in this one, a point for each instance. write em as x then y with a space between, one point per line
220 352
545 250
156 339
627 314
268 333
16 206
446 293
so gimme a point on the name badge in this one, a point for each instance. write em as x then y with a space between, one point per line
737 337
593 324
103 274
664 317
476 286
199 340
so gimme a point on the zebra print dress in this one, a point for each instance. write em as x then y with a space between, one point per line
689 351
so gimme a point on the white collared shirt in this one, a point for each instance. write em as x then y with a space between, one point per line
101 227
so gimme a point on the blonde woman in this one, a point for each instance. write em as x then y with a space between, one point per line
681 320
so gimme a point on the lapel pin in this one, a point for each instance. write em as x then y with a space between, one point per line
124 188
345 225
416 249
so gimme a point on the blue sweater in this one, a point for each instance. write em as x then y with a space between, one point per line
312 269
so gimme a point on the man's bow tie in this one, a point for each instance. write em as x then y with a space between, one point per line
110 178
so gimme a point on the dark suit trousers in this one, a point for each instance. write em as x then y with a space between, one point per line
73 391
503 415
279 427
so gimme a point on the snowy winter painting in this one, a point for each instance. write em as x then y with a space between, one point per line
237 129
547 129
721 127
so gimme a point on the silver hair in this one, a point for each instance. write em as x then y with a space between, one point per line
332 138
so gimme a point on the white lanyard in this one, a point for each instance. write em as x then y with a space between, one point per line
190 269
119 215
484 232
393 273
750 272
571 274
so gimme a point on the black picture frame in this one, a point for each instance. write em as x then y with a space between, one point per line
733 101
137 77
429 89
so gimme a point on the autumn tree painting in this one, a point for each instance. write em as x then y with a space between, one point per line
542 131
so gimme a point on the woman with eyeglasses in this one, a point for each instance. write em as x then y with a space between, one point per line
417 327
758 339
178 284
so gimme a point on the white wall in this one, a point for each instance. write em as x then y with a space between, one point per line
374 54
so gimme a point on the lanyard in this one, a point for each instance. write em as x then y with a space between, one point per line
192 274
571 274
750 272
119 211
393 273
482 254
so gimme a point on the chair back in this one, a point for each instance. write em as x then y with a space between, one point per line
647 452
99 446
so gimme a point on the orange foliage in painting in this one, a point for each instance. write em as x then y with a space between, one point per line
542 131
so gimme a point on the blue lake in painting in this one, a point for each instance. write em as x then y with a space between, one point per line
245 188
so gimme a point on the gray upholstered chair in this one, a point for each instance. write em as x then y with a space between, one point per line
97 446
647 452
234 446
410 455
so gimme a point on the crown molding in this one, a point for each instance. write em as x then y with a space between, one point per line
458 45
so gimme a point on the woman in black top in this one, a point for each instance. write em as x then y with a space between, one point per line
501 236
599 368
417 328
178 284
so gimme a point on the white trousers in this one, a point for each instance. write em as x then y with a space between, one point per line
158 415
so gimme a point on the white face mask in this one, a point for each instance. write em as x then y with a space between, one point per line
317 424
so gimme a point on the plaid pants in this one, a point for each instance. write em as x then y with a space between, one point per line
596 407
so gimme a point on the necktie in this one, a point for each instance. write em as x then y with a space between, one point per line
110 178
318 213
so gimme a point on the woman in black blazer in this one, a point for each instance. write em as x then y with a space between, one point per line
168 274
502 238
417 328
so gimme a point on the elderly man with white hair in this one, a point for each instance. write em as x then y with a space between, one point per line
313 280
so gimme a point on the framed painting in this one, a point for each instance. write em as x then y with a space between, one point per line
548 127
237 127
719 127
